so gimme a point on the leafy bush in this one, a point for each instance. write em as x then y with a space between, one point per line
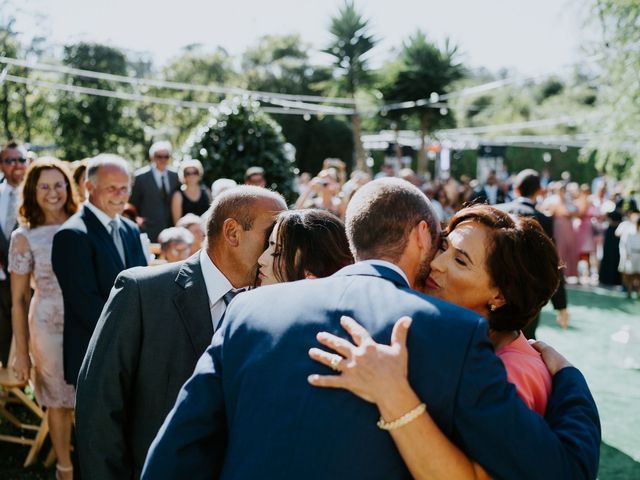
237 136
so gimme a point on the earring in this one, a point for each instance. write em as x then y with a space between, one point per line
492 307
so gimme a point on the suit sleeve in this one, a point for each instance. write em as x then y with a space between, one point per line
135 198
71 259
105 383
192 441
489 417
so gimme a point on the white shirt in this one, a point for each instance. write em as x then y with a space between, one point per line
158 176
102 217
384 263
5 190
217 286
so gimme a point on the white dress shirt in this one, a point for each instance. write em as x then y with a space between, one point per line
102 217
5 190
217 286
158 176
384 263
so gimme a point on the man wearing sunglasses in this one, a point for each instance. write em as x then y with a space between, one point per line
153 188
14 162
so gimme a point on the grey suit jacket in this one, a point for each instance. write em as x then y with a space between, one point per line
152 331
148 200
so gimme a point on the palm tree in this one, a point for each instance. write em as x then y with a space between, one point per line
424 69
350 44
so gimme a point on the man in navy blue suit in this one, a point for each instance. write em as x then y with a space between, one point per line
89 251
248 411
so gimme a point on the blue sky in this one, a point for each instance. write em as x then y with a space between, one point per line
533 37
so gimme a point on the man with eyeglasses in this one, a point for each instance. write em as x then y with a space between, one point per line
90 250
153 188
14 162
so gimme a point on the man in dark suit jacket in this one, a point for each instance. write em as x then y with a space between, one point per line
153 187
156 324
14 162
248 411
527 188
89 251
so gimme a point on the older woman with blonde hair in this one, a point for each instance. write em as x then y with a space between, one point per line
192 197
48 200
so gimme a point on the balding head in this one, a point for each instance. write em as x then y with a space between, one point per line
381 216
239 203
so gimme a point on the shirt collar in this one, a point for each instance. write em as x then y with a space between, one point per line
157 174
103 217
214 280
392 266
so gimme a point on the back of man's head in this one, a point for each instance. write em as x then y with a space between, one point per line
238 203
382 214
527 182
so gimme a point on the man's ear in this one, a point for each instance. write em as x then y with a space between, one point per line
423 236
231 232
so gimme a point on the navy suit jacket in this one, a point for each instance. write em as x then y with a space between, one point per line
86 263
248 411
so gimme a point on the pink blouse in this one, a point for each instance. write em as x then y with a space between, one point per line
527 371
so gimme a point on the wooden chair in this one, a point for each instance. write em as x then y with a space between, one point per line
13 393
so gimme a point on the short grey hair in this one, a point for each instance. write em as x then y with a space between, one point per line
222 184
106 160
174 234
159 146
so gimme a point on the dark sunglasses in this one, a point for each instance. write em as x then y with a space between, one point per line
13 161
189 173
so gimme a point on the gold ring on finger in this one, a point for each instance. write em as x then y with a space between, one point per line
335 363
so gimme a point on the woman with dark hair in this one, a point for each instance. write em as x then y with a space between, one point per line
48 200
504 268
79 174
309 243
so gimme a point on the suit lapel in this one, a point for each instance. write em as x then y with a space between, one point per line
192 303
94 225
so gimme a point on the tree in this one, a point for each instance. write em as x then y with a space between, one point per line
617 124
88 125
280 63
350 45
237 136
424 69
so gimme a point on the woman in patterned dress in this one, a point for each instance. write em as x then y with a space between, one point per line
48 199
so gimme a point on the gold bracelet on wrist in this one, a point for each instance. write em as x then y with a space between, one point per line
408 417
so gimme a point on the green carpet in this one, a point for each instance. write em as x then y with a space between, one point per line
595 316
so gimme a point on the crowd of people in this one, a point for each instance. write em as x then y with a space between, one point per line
119 288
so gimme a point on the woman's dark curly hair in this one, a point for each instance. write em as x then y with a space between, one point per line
522 262
30 212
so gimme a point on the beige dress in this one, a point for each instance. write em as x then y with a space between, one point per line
30 253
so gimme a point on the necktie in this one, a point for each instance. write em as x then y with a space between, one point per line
12 214
164 188
227 297
117 240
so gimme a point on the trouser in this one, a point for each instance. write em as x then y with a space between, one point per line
6 330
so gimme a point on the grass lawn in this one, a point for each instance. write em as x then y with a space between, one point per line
595 316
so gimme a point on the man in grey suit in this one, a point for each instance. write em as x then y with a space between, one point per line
153 187
154 327
14 162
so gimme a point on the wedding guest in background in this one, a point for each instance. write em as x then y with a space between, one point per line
220 185
194 224
153 187
153 329
323 192
79 174
609 274
47 202
175 244
14 162
255 176
192 196
308 243
562 208
89 251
